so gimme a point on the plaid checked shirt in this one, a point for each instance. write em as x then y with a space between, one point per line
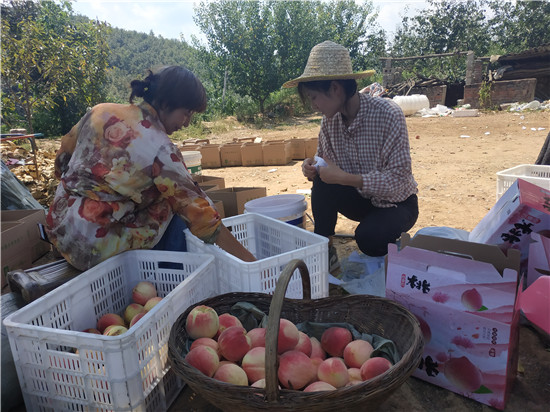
376 146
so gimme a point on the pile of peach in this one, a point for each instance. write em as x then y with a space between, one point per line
222 349
144 298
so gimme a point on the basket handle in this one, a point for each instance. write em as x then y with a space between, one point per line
272 330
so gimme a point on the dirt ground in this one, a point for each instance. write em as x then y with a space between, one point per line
455 161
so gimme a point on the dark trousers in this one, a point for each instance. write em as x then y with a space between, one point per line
173 238
377 226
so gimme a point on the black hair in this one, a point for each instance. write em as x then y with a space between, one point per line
170 88
349 86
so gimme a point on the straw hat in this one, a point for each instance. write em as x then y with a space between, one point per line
328 61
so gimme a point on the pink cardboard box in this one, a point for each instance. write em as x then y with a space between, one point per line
464 296
539 257
523 209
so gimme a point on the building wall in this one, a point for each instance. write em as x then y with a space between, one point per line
507 91
436 94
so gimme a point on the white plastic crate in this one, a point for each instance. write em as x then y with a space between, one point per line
536 174
274 243
63 369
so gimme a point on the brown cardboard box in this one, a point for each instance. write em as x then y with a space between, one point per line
244 139
190 147
252 154
297 149
311 146
218 204
234 198
276 153
21 243
210 156
230 154
207 188
209 180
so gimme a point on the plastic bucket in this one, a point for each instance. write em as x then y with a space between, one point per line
192 161
411 104
288 208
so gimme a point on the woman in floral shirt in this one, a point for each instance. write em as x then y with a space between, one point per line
122 180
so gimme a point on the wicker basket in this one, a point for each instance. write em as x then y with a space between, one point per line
368 314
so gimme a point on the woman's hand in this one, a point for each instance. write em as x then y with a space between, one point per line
308 168
332 174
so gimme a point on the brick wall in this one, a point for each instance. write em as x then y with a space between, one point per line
507 91
436 94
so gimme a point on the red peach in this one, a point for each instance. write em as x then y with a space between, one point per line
316 350
151 303
335 339
295 370
202 322
136 318
143 291
132 310
288 336
354 374
253 364
92 330
257 337
205 341
231 373
203 358
357 352
471 299
304 344
234 343
374 367
114 330
319 386
463 374
226 320
333 371
109 319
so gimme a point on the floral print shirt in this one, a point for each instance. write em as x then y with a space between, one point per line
121 181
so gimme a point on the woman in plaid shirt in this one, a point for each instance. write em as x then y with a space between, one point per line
363 164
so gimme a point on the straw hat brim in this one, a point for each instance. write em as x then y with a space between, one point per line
358 75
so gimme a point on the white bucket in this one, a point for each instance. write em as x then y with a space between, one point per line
412 104
288 208
192 161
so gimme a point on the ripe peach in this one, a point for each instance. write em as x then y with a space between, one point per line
202 322
335 339
231 373
253 364
260 383
234 343
304 344
151 303
319 386
295 370
203 358
114 330
354 374
143 291
463 374
257 337
357 352
205 341
92 330
109 319
226 320
316 350
136 318
132 310
288 336
374 367
333 371
471 299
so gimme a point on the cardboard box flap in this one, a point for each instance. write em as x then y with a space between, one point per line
471 250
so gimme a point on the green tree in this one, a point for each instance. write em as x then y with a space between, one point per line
49 62
517 26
